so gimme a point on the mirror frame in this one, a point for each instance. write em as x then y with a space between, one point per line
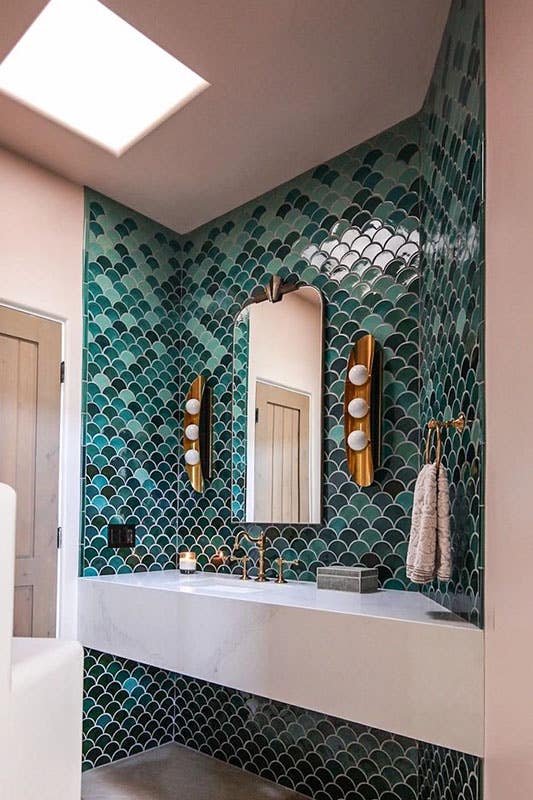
273 292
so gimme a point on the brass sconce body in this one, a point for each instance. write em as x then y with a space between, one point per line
362 409
197 433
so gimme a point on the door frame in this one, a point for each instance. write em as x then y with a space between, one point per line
61 488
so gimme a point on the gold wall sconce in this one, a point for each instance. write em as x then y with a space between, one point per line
197 433
362 409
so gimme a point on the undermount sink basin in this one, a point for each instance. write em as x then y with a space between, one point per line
227 587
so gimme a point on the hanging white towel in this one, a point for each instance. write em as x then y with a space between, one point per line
429 552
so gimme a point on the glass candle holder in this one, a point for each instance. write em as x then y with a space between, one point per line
187 563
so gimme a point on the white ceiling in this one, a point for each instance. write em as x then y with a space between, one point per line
294 82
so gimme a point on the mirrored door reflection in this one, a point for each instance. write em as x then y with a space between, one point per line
281 480
277 408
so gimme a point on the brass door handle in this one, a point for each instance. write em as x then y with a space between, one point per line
281 562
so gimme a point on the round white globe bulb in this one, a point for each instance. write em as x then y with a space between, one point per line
357 440
192 457
358 375
192 432
358 408
192 406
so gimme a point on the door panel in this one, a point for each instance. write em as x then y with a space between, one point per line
281 483
23 615
30 354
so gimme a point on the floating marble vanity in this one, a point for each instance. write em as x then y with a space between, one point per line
393 660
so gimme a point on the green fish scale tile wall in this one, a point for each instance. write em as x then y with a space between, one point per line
240 412
451 325
350 228
130 707
127 708
131 424
321 757
452 287
448 775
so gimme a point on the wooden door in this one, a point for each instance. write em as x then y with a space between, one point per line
281 490
30 355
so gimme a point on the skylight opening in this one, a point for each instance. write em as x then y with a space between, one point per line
84 67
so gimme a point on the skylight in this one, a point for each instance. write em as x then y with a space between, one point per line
83 66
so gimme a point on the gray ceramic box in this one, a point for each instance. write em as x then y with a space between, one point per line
347 579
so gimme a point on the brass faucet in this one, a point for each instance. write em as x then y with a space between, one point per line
260 541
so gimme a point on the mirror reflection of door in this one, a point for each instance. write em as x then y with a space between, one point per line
281 481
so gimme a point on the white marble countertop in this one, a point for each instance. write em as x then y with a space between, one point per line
393 660
385 604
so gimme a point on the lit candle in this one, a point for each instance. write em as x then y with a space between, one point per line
187 563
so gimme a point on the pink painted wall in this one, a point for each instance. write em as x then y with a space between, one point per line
41 259
509 370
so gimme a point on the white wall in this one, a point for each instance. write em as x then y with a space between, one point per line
41 251
286 349
509 376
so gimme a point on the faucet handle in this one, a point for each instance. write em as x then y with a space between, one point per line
281 562
244 561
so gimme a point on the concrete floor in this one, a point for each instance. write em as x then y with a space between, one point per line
173 772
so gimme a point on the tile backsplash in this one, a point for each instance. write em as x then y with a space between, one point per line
452 288
160 308
131 422
350 228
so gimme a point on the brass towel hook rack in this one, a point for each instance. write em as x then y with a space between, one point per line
437 426
459 423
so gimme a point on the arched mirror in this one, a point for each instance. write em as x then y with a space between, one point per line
277 406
